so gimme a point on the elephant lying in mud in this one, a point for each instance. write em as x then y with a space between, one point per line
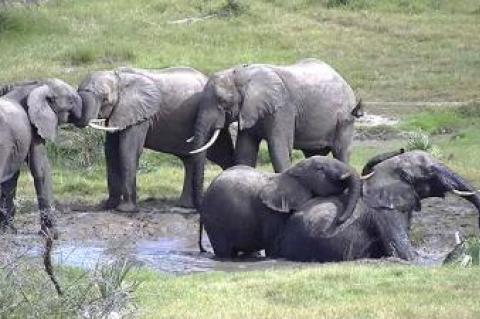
155 109
30 113
306 106
245 210
237 219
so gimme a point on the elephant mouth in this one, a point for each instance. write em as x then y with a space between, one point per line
101 124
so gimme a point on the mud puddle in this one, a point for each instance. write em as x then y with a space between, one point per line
166 240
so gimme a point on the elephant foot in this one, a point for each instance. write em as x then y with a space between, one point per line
127 207
109 203
185 203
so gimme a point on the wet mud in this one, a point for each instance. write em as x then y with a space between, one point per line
164 238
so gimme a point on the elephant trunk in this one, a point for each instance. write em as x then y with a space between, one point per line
456 184
368 168
354 192
90 109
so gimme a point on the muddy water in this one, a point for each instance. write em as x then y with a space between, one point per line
167 241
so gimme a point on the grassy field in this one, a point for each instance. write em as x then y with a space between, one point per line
387 49
329 291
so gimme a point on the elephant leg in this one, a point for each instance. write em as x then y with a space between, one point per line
323 152
343 140
42 179
186 199
246 150
7 205
131 143
393 237
112 158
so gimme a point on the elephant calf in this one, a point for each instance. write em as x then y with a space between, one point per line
393 187
29 115
245 210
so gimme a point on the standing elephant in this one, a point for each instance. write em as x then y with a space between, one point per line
155 109
245 210
30 113
394 184
306 106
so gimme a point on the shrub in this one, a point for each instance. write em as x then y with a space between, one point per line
26 291
420 140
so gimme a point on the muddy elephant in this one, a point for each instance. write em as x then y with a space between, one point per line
245 210
306 106
30 113
393 186
155 109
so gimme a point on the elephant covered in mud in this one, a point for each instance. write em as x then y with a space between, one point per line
155 109
245 210
306 106
30 113
393 186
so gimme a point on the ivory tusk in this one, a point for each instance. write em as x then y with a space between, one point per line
210 143
365 177
99 124
463 193
190 140
345 176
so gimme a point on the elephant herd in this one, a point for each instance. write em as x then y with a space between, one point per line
320 209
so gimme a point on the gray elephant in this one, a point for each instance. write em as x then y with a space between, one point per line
30 113
155 109
306 106
245 210
393 187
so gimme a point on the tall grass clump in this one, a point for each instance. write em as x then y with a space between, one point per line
420 140
26 291
465 254
77 148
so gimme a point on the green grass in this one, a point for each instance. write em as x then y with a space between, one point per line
386 49
329 291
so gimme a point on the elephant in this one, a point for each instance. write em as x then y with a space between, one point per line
393 186
30 113
306 106
244 210
140 108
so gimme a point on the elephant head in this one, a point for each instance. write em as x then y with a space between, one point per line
49 103
400 181
316 176
119 98
244 94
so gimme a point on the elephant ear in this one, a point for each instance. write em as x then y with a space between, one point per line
41 114
263 93
138 99
398 195
284 194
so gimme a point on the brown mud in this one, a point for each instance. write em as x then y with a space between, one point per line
164 237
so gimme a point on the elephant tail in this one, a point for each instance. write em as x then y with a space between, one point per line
358 109
7 88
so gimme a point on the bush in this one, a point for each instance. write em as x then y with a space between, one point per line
420 140
77 148
26 291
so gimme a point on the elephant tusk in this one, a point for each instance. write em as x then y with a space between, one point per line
210 143
99 124
463 193
190 140
365 177
345 176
